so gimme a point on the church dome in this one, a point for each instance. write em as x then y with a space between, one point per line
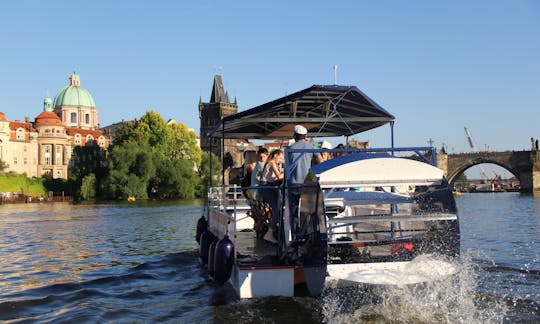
74 95
47 118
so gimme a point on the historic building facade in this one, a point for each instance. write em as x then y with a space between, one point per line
46 145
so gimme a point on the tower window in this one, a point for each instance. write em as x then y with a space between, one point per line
73 117
87 118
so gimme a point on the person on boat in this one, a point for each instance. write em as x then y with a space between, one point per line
339 147
262 155
272 176
250 160
298 164
325 155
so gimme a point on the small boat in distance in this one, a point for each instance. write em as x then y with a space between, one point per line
361 216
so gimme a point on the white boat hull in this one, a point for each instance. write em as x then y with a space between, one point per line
263 282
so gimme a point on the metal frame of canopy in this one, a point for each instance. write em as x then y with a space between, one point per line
325 111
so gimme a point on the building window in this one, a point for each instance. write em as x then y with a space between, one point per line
58 173
25 149
15 160
73 117
47 155
87 118
20 135
25 161
58 155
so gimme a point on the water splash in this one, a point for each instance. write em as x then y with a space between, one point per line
447 300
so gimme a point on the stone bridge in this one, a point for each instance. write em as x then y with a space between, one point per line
524 165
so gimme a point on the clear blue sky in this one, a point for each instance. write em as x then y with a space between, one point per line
436 65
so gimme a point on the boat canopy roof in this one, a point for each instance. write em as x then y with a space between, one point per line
325 110
375 170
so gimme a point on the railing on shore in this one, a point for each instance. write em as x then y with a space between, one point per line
13 198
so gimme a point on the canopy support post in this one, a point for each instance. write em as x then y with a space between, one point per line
392 136
210 157
223 155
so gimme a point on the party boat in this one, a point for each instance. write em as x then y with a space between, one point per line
364 217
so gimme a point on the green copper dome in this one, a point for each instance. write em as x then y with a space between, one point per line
74 95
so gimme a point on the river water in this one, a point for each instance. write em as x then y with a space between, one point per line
137 262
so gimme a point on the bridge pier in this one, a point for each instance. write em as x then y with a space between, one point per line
536 173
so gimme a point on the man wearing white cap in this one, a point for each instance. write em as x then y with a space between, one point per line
298 165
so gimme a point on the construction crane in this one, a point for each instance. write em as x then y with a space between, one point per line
471 144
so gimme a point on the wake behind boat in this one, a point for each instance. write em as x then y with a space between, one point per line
360 218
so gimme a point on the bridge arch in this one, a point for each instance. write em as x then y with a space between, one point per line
524 165
452 177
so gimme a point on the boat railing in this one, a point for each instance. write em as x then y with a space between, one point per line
227 197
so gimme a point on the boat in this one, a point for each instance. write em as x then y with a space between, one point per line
361 216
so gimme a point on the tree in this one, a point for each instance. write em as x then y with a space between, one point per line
130 169
88 187
3 166
175 179
184 144
173 141
149 155
210 169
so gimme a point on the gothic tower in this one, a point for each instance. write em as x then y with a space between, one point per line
210 114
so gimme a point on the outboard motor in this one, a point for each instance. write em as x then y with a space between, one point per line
206 239
202 225
211 258
224 260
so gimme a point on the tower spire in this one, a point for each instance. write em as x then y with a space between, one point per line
218 92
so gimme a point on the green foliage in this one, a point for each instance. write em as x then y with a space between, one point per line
461 177
460 182
128 131
209 159
175 179
57 186
3 166
87 160
184 144
152 159
21 184
130 168
88 187
173 141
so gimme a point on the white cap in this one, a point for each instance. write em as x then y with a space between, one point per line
326 145
300 130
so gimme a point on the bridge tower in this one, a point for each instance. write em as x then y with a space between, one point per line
210 114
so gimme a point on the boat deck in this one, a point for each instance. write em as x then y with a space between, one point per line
254 252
